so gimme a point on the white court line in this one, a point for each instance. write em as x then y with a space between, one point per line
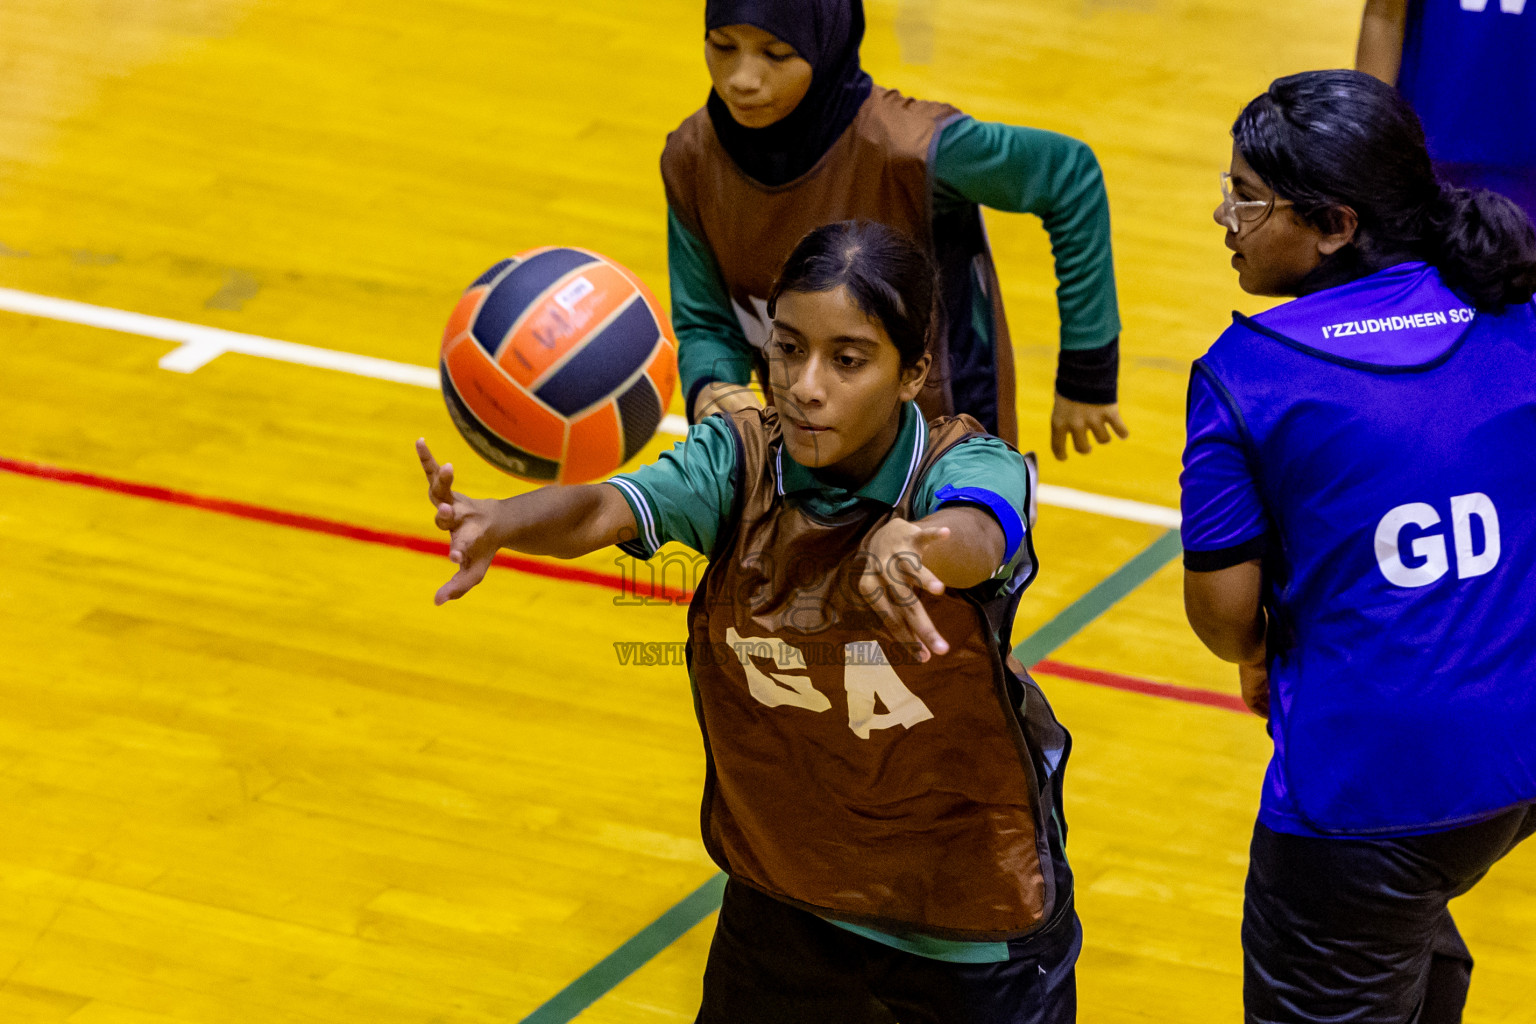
198 345
1104 505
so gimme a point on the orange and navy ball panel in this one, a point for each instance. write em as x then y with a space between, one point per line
500 404
515 287
495 272
557 365
491 447
577 307
464 313
662 369
650 297
594 447
602 363
640 410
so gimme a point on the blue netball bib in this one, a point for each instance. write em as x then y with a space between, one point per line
1469 70
1402 316
1392 433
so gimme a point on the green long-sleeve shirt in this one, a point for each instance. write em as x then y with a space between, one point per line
1006 167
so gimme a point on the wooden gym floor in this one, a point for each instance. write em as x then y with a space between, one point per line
250 774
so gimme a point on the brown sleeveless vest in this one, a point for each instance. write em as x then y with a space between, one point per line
844 777
879 169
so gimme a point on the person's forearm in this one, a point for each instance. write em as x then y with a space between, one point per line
1382 26
1226 613
711 345
722 397
1241 643
1058 179
708 357
971 553
564 521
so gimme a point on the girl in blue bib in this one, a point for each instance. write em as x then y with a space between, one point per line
1359 499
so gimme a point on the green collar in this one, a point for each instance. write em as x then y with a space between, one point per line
888 484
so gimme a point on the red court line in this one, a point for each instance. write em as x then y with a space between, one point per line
316 524
1114 680
534 567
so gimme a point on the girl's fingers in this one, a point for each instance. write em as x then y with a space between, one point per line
1080 441
463 548
929 582
446 518
442 484
462 582
903 612
921 626
428 463
439 478
1101 431
904 571
924 534
909 564
897 625
450 591
1119 425
1059 442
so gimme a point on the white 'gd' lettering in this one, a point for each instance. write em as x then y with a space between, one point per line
1430 548
1507 6
867 677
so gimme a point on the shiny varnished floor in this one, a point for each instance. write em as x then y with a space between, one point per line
248 773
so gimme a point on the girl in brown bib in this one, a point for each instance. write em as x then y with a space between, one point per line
884 782
795 135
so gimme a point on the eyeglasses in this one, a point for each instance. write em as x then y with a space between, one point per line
1237 212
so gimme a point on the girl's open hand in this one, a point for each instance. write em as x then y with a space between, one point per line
891 587
1078 421
470 524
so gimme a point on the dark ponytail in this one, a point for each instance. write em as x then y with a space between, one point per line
1487 247
1325 139
888 276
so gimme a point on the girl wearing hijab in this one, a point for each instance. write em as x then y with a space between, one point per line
795 135
1360 538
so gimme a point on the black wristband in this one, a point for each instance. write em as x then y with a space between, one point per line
1089 375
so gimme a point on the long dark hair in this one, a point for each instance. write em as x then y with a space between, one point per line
1325 139
888 276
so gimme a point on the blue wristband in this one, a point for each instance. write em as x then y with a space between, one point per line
1006 515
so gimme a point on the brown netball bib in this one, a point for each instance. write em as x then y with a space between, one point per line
844 776
879 169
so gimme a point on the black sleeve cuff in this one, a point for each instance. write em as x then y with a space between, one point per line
1226 558
1089 374
635 549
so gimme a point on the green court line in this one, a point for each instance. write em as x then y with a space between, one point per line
631 956
1038 645
705 900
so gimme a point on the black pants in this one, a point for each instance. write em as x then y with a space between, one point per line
771 963
1358 930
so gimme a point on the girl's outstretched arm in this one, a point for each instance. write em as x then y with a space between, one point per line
1382 28
953 547
970 549
560 521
